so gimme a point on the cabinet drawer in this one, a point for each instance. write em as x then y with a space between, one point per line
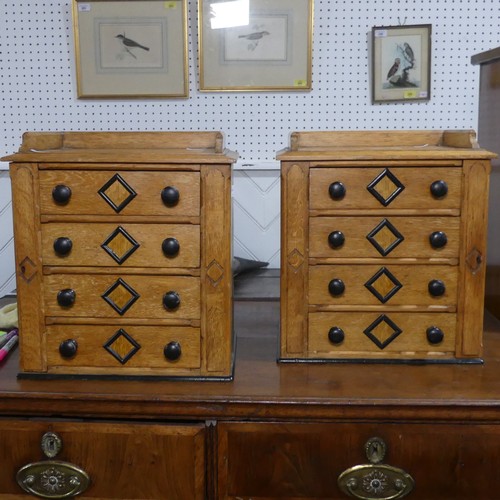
379 188
123 192
140 461
128 296
127 245
378 335
130 346
375 237
293 460
420 285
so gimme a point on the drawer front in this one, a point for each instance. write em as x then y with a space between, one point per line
127 296
146 461
126 245
391 188
377 237
340 285
129 346
378 335
293 460
125 193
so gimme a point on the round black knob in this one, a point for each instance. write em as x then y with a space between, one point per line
336 190
170 196
171 300
66 297
439 189
436 288
434 335
61 194
336 335
336 239
336 287
172 351
68 348
170 247
63 245
438 239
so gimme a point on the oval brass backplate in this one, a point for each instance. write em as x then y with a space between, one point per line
52 479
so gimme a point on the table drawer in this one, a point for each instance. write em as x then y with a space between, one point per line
128 296
391 188
294 460
381 335
416 285
97 192
376 237
127 245
130 346
136 460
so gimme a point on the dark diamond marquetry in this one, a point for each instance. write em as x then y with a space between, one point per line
120 296
383 285
385 187
382 331
120 245
121 346
117 193
385 237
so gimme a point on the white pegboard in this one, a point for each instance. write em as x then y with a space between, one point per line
38 87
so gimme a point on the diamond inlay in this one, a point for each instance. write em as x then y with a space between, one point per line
120 296
121 346
385 237
383 285
27 269
385 187
117 193
215 272
295 259
120 245
382 331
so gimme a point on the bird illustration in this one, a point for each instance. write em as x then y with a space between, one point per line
394 68
408 53
130 44
255 36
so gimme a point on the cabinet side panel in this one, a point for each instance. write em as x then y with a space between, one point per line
29 278
216 276
294 258
473 257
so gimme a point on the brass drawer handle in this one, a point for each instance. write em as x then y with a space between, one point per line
375 481
52 478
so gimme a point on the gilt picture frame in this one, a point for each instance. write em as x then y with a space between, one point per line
401 63
131 48
255 45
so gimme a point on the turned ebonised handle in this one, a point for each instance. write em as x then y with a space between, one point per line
61 194
438 239
170 247
336 190
434 335
66 297
170 196
63 245
171 300
336 335
336 287
436 288
336 239
439 189
68 348
172 351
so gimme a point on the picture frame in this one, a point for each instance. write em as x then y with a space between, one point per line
255 45
401 63
131 48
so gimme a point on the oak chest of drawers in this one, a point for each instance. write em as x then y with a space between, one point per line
123 253
383 246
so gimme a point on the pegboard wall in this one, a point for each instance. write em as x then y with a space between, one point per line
38 82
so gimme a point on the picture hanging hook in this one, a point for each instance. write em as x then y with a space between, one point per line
404 21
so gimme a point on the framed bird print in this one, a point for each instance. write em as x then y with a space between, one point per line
401 63
255 45
131 48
